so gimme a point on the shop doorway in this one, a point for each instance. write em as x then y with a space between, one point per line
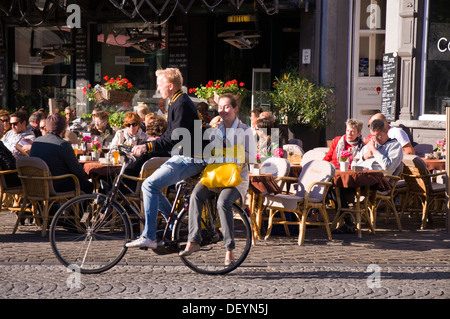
368 49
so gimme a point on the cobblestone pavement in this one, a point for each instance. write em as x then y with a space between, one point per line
412 264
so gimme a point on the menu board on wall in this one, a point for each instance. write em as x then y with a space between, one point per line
389 86
2 66
81 70
80 54
178 49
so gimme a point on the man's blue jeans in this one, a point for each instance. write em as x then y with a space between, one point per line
174 170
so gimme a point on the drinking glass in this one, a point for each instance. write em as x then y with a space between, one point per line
116 157
75 149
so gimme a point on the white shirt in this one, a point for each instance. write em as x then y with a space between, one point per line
11 139
399 135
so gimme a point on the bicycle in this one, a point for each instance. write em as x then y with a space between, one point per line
89 232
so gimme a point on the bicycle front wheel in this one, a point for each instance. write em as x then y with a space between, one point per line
88 236
211 257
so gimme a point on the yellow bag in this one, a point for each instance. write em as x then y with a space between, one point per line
221 175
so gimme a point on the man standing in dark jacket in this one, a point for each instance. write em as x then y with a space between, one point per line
59 155
182 117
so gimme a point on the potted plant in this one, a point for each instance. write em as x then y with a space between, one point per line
296 100
115 90
116 120
213 89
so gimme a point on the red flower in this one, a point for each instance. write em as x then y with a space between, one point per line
130 85
106 78
242 84
84 90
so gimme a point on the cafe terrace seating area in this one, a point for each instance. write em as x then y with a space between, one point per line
300 196
287 196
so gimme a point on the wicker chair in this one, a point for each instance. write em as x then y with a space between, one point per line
279 168
313 184
420 185
388 198
312 155
38 191
9 195
147 169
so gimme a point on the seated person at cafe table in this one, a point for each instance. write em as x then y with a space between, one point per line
155 126
351 141
59 155
132 134
380 153
19 134
101 127
394 133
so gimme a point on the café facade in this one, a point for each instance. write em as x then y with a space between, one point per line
52 49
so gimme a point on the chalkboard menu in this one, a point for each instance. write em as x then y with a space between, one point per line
2 66
389 86
81 70
178 49
80 54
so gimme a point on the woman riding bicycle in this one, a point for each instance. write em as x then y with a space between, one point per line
231 132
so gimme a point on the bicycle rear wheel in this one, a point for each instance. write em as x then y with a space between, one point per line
84 237
211 257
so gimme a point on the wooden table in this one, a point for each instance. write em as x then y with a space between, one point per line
361 182
434 164
96 170
260 185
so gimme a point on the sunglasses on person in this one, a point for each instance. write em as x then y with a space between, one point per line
134 124
15 123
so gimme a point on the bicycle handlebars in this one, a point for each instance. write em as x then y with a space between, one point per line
125 150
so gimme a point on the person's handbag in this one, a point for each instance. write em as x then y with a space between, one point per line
220 175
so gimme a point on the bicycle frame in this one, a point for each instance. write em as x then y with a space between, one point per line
115 192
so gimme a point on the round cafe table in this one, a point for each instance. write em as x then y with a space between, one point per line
434 164
96 170
99 169
260 184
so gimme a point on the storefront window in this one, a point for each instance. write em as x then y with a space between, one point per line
372 23
42 68
134 52
437 80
